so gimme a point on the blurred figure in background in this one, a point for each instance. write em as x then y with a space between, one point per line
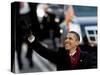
22 31
51 28
26 24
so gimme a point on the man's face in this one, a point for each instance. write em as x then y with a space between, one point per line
71 41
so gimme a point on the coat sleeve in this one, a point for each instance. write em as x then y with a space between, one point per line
49 54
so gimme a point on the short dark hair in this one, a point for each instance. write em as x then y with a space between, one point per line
76 34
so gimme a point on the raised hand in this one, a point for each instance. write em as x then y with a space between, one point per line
31 38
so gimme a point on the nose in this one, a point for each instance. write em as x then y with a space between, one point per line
66 41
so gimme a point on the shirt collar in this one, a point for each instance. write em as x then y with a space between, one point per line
72 53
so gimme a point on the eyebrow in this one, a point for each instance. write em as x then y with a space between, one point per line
69 37
72 38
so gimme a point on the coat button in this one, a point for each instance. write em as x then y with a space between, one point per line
81 60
